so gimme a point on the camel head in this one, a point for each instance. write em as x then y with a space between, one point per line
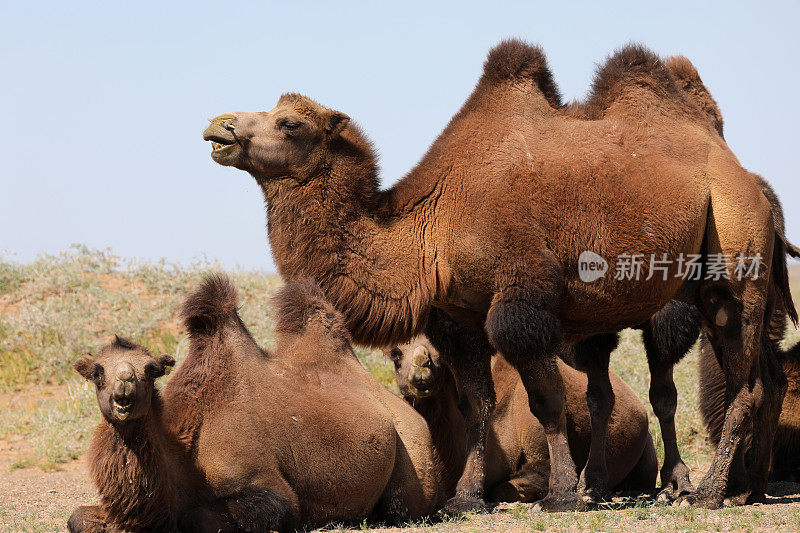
273 144
419 372
124 374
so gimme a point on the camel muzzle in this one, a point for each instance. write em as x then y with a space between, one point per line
124 393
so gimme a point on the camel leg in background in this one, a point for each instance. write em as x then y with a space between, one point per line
468 354
529 484
592 356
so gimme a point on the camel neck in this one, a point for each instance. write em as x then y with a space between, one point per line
133 460
336 227
448 430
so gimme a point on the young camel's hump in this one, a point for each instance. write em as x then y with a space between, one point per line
549 190
332 443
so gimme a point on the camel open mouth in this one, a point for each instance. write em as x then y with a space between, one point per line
421 392
218 146
122 407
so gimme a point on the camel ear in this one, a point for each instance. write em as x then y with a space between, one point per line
335 123
162 365
85 367
167 362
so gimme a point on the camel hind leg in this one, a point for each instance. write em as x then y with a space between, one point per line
739 232
765 423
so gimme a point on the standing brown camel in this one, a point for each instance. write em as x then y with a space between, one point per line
244 440
486 231
517 463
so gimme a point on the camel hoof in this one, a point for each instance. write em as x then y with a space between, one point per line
595 495
463 504
559 503
677 486
707 501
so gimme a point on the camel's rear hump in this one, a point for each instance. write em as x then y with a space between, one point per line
301 307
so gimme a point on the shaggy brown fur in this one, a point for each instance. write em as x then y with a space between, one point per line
689 80
539 185
230 445
712 380
517 463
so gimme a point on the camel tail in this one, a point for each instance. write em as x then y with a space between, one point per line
792 250
211 306
300 305
780 277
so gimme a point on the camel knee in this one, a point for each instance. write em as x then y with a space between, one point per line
249 510
663 398
546 395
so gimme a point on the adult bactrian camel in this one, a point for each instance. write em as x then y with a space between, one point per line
486 231
242 439
517 465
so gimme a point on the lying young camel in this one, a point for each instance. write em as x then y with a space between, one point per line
487 230
242 439
517 463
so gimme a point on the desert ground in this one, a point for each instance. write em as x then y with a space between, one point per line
56 308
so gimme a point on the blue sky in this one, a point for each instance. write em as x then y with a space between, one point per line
104 102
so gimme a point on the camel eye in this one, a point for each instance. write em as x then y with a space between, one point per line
288 125
396 354
97 374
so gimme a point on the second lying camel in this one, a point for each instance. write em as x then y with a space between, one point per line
517 462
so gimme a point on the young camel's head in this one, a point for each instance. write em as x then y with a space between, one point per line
123 374
419 371
273 144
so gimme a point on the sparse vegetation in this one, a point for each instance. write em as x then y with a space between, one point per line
58 307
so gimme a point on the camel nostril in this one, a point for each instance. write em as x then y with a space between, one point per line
125 372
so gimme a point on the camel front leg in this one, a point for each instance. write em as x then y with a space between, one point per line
522 324
90 519
468 355
592 356
667 337
251 509
675 480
